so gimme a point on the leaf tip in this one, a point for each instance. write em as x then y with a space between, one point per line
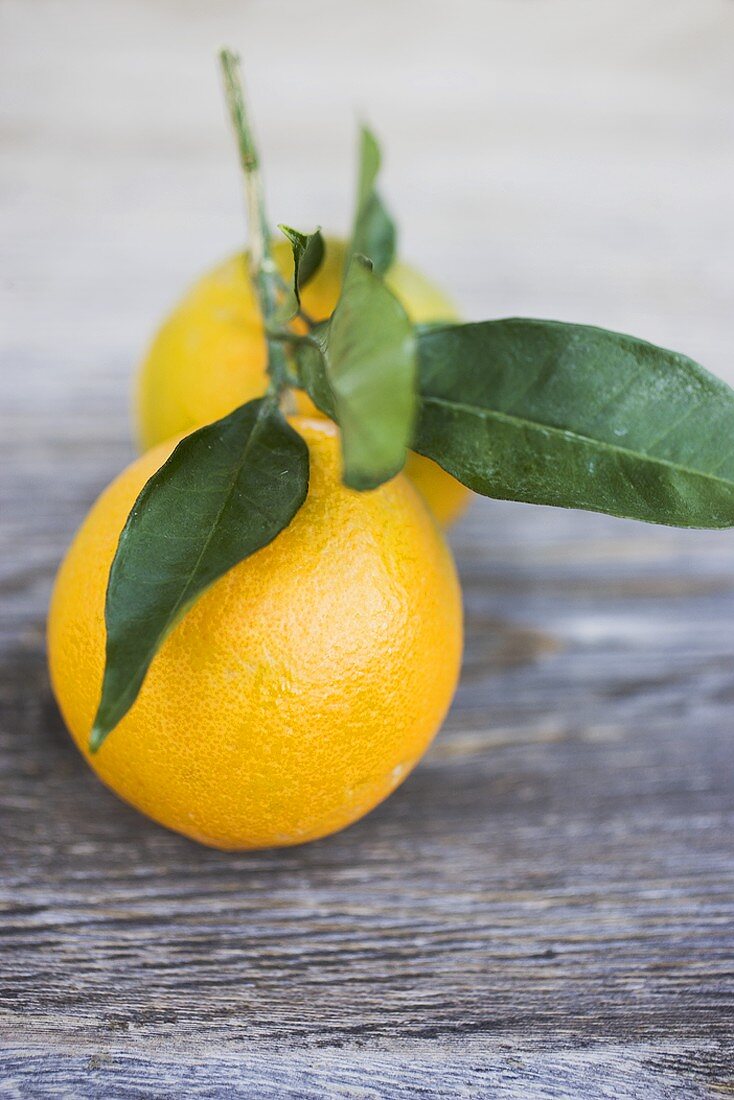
228 58
97 736
362 480
367 136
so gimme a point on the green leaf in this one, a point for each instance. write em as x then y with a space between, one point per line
373 234
365 376
311 364
579 417
308 255
370 162
226 491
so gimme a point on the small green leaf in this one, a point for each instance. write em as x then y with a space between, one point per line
373 234
226 491
308 255
579 417
365 376
312 376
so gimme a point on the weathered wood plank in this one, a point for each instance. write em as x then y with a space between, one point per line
546 908
610 1073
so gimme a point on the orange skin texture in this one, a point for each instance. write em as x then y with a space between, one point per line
301 688
209 356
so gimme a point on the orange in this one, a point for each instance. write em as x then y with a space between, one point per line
302 687
209 356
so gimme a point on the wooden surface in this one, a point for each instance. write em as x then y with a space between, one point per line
546 908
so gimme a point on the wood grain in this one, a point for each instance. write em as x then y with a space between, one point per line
546 908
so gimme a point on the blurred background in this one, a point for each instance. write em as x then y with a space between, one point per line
551 158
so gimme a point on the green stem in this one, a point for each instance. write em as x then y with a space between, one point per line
306 317
292 339
265 276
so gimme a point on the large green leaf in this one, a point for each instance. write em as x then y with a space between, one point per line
373 234
226 491
579 417
365 376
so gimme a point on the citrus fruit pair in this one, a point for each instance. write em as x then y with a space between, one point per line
306 683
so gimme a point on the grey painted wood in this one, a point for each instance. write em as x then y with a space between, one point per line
546 908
